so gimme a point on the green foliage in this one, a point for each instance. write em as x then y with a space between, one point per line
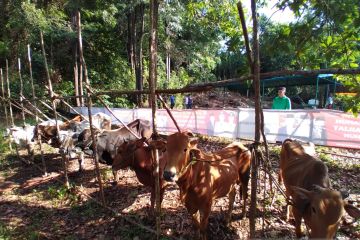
202 38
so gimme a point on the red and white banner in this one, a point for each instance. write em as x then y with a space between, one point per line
323 127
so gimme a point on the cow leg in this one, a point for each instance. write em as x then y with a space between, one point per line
81 161
297 217
196 219
116 176
280 177
204 222
231 205
244 195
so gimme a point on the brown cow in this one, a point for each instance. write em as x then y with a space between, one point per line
138 157
206 178
307 182
47 130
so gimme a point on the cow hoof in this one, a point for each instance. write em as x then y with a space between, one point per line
114 183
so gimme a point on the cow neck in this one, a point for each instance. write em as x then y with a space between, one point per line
185 172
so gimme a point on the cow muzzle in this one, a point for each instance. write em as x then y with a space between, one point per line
169 176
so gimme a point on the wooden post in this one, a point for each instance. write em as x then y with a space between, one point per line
28 147
51 93
154 7
89 104
5 103
21 93
36 115
254 167
10 105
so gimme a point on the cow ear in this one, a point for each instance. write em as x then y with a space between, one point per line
302 198
351 210
193 142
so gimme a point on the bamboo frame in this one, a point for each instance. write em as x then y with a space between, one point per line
51 94
36 115
154 9
21 95
89 103
5 103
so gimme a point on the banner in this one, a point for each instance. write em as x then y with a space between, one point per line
320 126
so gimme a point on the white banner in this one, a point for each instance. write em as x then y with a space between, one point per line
323 126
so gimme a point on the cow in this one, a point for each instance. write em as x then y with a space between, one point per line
137 156
108 141
205 177
307 182
47 130
21 135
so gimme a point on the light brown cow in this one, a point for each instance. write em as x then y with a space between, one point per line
307 182
137 156
205 177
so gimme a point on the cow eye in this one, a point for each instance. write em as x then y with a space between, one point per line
185 149
313 210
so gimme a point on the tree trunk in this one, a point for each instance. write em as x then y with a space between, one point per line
139 52
76 67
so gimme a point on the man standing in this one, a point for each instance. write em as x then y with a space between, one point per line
281 102
172 101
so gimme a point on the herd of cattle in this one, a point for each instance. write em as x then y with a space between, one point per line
201 177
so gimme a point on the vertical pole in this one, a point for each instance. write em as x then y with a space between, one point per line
154 7
5 103
256 72
10 107
22 108
9 94
36 113
317 89
89 104
21 93
51 93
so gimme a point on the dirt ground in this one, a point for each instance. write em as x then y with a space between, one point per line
36 207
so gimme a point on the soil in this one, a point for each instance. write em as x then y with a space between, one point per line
33 206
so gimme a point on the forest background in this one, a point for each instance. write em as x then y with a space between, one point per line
198 41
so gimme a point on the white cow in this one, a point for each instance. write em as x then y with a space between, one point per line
21 135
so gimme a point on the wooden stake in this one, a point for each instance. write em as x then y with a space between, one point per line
36 115
154 8
51 94
21 93
89 104
5 103
169 112
255 164
11 112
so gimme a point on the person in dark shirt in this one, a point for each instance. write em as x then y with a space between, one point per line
172 101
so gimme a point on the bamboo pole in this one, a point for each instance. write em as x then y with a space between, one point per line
169 112
17 105
21 93
36 115
28 147
154 8
89 104
10 105
254 167
5 104
51 93
246 36
50 108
